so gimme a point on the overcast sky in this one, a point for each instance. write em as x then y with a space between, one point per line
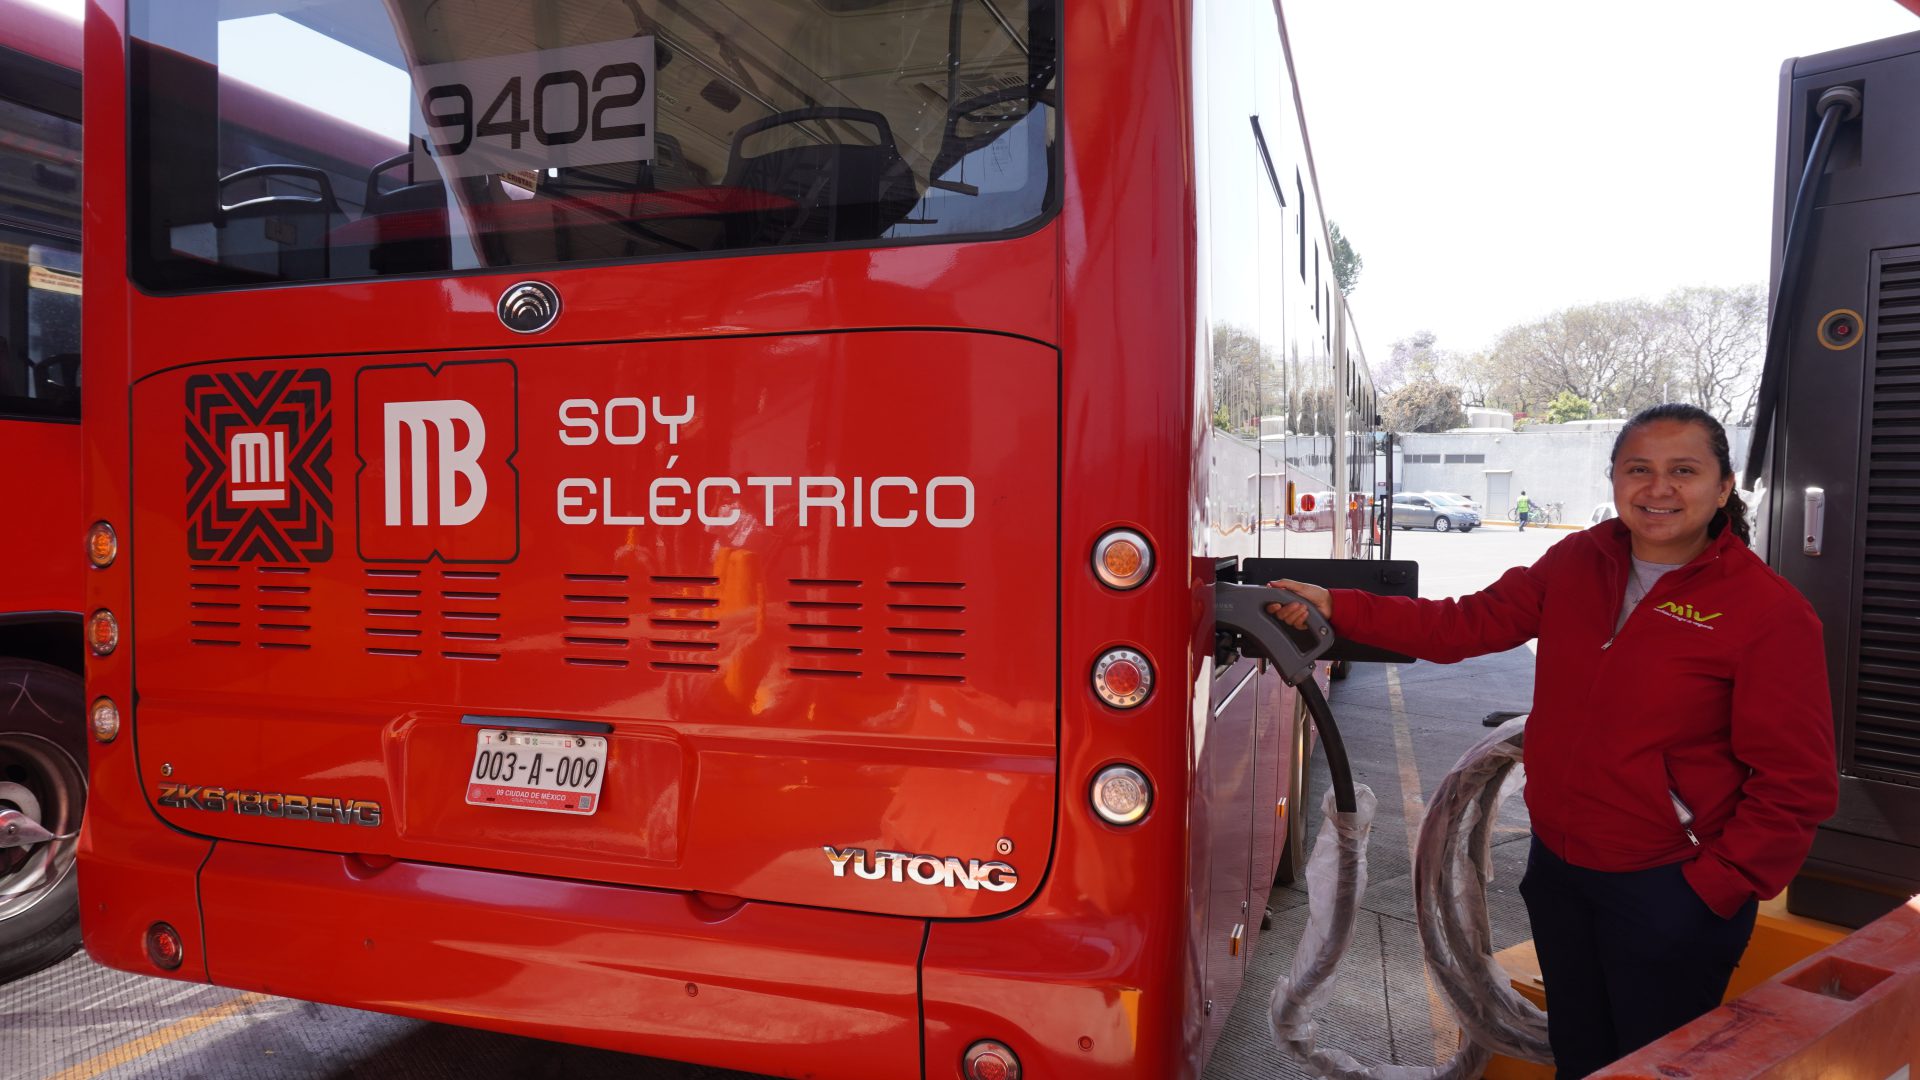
1496 160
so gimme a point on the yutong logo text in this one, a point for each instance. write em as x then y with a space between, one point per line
901 866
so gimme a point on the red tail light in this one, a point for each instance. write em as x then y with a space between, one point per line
990 1059
103 632
1123 678
164 947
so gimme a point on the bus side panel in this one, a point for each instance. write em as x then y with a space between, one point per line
1099 975
133 869
42 545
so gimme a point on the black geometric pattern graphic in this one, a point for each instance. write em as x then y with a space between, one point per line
299 529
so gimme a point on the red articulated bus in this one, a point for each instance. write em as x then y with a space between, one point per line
43 744
692 528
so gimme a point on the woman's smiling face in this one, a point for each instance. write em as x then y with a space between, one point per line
1667 487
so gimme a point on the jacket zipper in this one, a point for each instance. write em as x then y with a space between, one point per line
1685 815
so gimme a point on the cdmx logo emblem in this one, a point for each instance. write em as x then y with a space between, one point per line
436 472
259 466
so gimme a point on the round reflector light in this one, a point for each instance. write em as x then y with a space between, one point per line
103 546
104 719
990 1059
1122 559
1307 503
164 946
1121 794
103 632
1122 678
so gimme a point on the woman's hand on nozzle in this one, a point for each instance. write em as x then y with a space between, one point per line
1295 615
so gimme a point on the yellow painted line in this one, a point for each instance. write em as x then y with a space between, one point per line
1413 808
135 1049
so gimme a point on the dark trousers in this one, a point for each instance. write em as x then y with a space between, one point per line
1523 515
1626 957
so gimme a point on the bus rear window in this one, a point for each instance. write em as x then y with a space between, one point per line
283 141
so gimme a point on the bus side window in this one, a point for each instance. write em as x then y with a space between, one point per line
39 328
39 264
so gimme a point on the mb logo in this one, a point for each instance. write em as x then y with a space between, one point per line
434 444
436 447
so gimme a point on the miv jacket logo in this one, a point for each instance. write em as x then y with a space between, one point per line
435 446
1689 613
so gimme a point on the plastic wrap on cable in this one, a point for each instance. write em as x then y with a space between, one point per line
1452 866
1336 879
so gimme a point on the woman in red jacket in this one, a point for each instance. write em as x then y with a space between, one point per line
1680 748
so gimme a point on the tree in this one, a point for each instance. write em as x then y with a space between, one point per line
1701 345
1615 355
1241 362
1424 405
1409 360
1472 374
1718 337
1347 262
1568 406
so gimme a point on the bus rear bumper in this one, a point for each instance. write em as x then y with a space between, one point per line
754 986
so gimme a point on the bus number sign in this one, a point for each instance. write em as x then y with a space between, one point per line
556 108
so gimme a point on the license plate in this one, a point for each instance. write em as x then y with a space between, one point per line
537 770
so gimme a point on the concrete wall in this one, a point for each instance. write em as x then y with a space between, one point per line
1552 463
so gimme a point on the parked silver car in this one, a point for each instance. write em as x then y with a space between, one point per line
1472 503
1432 510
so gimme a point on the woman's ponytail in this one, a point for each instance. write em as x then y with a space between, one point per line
1736 512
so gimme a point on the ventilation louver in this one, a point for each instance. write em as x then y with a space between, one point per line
1885 739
